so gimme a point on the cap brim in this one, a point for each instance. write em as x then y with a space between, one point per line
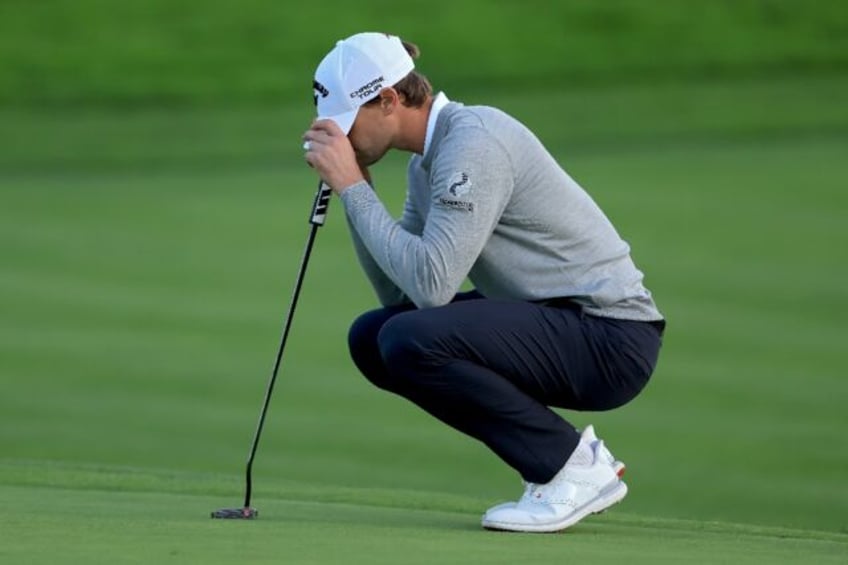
344 120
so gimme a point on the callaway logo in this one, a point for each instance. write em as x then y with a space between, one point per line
459 184
319 90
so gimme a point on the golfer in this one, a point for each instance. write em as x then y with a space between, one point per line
558 317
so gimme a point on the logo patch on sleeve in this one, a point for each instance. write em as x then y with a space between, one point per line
459 184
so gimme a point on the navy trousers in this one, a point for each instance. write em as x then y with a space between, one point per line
491 369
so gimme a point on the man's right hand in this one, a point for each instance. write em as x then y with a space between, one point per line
328 151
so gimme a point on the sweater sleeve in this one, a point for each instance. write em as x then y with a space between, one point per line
471 181
388 293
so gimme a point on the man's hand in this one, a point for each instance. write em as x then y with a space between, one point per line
329 152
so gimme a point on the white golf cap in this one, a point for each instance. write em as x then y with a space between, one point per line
355 71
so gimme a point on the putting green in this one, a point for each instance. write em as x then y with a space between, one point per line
119 515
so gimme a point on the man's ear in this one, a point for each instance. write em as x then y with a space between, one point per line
389 100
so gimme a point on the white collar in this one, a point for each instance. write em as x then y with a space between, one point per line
439 102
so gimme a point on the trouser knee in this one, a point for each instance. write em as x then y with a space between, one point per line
409 348
363 344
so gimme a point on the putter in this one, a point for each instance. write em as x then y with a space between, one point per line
319 214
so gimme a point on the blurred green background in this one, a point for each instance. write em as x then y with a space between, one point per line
153 209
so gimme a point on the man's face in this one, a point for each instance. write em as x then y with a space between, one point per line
372 132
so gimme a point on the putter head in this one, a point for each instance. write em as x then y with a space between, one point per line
236 513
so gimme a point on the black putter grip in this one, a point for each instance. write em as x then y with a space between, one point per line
322 201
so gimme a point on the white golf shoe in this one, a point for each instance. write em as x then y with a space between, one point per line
575 492
589 437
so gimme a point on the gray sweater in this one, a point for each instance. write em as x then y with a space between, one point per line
488 202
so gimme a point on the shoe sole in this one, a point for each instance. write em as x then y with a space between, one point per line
607 498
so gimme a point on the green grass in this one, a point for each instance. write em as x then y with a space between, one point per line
121 515
160 53
148 258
